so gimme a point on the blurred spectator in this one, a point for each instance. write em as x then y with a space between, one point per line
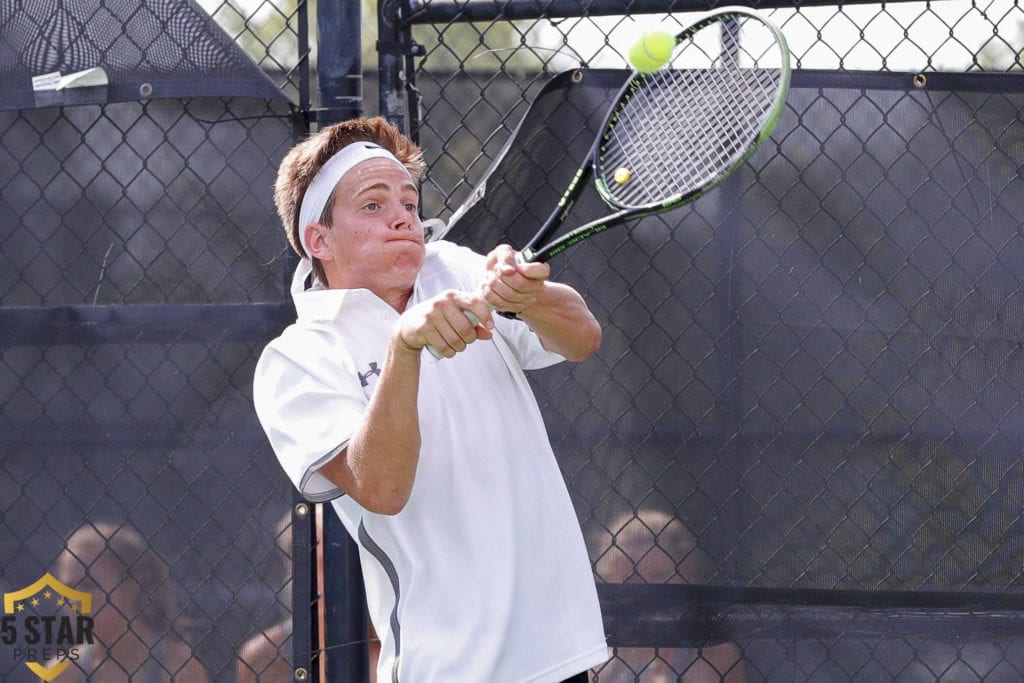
133 609
652 546
266 656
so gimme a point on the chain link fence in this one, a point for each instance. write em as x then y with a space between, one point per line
797 455
142 270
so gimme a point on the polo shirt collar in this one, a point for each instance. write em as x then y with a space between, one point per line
320 303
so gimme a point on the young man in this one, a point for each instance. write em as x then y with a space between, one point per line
440 468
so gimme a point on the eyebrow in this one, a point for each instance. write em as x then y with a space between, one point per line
406 187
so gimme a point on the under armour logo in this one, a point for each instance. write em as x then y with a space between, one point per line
365 379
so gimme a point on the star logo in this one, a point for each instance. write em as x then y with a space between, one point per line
44 620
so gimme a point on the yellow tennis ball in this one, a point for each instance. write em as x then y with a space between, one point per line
652 51
622 175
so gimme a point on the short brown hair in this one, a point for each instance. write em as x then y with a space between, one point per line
301 164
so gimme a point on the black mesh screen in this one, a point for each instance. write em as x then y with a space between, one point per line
801 438
161 201
162 48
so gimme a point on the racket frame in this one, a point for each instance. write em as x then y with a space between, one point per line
537 250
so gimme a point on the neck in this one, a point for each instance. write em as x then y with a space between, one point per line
395 296
398 300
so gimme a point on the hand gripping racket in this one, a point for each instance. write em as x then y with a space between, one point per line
674 134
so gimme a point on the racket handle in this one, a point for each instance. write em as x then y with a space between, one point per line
472 318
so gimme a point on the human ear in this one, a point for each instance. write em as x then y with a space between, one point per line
318 247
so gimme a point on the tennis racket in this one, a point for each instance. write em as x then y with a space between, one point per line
674 134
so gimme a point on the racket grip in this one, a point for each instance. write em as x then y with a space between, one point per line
472 318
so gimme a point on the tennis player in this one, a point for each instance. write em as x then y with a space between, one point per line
439 467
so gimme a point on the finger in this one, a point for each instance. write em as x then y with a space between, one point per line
436 334
535 270
501 255
461 331
501 297
482 323
515 289
438 343
480 331
445 347
476 308
461 322
474 319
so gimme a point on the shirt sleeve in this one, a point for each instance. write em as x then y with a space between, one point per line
309 408
523 342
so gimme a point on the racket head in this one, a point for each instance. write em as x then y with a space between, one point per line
681 130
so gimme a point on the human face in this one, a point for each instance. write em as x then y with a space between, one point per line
376 240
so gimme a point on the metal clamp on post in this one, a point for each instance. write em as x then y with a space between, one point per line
348 107
396 50
412 49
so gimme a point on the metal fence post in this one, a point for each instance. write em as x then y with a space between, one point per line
304 597
391 79
398 97
340 76
346 620
339 62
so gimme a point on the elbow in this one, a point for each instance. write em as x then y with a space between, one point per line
388 503
596 334
386 509
387 499
589 341
390 508
380 480
586 342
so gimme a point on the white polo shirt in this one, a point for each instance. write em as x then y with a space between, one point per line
483 576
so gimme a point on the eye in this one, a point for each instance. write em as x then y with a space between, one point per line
371 206
411 208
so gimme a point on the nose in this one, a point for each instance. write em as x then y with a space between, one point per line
404 219
401 221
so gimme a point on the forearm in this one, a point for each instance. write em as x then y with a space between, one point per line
563 322
378 467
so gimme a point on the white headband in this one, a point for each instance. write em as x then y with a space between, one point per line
328 177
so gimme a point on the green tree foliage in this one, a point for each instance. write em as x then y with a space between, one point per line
268 33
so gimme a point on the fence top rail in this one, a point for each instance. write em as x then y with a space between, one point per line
439 11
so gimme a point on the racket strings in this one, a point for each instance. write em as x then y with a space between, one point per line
680 129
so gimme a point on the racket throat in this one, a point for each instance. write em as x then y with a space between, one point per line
527 255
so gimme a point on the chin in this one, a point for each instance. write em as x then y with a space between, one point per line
409 264
412 255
